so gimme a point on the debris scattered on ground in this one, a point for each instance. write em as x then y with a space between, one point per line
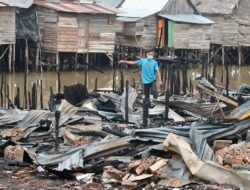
102 143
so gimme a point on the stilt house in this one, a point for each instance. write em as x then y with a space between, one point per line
182 27
231 30
76 28
8 27
140 23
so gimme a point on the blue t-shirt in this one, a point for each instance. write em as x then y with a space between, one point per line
148 69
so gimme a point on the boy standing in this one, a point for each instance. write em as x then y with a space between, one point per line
149 73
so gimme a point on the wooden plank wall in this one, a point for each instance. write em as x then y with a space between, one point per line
225 30
149 37
128 41
130 28
67 33
242 15
192 36
141 34
102 33
7 25
244 35
47 26
82 34
230 32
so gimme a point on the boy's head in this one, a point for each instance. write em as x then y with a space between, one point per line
150 54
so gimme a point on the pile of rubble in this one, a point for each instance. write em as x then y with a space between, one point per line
236 155
201 144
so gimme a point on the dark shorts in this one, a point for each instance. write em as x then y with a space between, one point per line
150 88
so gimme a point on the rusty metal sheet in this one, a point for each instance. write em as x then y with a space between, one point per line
30 123
86 8
205 170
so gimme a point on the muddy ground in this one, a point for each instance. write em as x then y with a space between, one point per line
25 177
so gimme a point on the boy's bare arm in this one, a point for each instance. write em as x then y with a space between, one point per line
158 75
127 62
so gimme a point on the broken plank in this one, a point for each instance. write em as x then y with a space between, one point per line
134 164
158 165
140 177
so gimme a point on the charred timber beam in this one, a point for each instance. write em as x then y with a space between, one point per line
57 118
221 97
126 103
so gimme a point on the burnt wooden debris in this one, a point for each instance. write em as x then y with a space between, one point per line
116 135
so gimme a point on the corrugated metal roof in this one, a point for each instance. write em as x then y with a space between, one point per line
109 7
113 3
191 18
88 8
128 19
141 8
16 3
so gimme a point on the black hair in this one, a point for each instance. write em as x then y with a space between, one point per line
150 50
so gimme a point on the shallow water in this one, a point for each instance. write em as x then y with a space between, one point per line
237 76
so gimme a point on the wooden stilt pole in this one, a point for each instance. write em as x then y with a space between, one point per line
29 99
203 58
33 96
10 58
2 87
178 81
223 55
227 78
37 56
126 102
167 94
8 96
58 81
14 57
26 75
121 82
17 98
58 73
5 89
86 71
239 55
184 77
96 84
41 94
76 60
